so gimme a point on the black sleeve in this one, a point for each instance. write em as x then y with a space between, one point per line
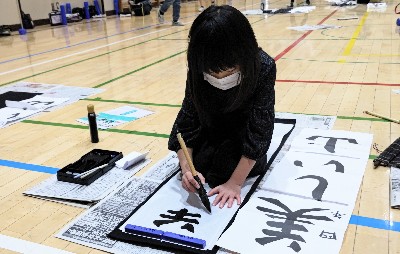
187 123
260 125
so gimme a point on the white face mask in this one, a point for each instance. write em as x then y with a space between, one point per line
224 83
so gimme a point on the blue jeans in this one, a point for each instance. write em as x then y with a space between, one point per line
176 8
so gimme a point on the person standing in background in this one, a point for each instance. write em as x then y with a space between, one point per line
176 11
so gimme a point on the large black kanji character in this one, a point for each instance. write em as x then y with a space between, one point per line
288 225
179 216
321 187
339 166
331 143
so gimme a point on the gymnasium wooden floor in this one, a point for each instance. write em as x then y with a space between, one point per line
339 72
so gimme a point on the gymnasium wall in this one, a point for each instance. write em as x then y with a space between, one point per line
38 9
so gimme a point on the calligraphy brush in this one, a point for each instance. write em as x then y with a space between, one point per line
202 192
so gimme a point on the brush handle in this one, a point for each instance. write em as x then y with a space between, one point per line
383 117
89 172
186 153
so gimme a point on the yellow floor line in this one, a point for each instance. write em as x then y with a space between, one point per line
350 44
376 55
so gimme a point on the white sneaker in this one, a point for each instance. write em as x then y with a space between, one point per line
201 9
160 17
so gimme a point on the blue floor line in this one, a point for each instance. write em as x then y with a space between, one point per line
375 223
354 220
26 166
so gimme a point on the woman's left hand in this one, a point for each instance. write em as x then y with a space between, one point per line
227 193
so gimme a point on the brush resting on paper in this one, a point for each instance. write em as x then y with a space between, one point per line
202 192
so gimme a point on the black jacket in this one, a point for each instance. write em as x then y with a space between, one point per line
251 124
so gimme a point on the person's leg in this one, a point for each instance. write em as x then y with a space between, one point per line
216 162
221 161
163 8
176 11
225 162
202 155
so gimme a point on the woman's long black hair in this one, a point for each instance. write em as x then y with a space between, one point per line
221 38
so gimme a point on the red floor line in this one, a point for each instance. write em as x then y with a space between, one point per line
336 82
301 38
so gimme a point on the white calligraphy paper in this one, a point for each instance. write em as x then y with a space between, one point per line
53 96
43 102
313 175
333 142
277 223
172 197
323 169
10 115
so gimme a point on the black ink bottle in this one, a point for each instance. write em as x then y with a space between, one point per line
92 124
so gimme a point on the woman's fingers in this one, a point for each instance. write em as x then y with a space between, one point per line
189 183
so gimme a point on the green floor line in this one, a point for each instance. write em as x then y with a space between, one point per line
76 126
87 59
140 133
358 118
107 53
141 68
146 66
372 119
371 156
134 102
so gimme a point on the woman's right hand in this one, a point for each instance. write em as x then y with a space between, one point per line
188 181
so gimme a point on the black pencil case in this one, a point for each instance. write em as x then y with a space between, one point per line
104 160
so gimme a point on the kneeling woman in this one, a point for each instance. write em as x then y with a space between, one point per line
227 115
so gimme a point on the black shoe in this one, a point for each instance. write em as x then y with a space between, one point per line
308 2
5 31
